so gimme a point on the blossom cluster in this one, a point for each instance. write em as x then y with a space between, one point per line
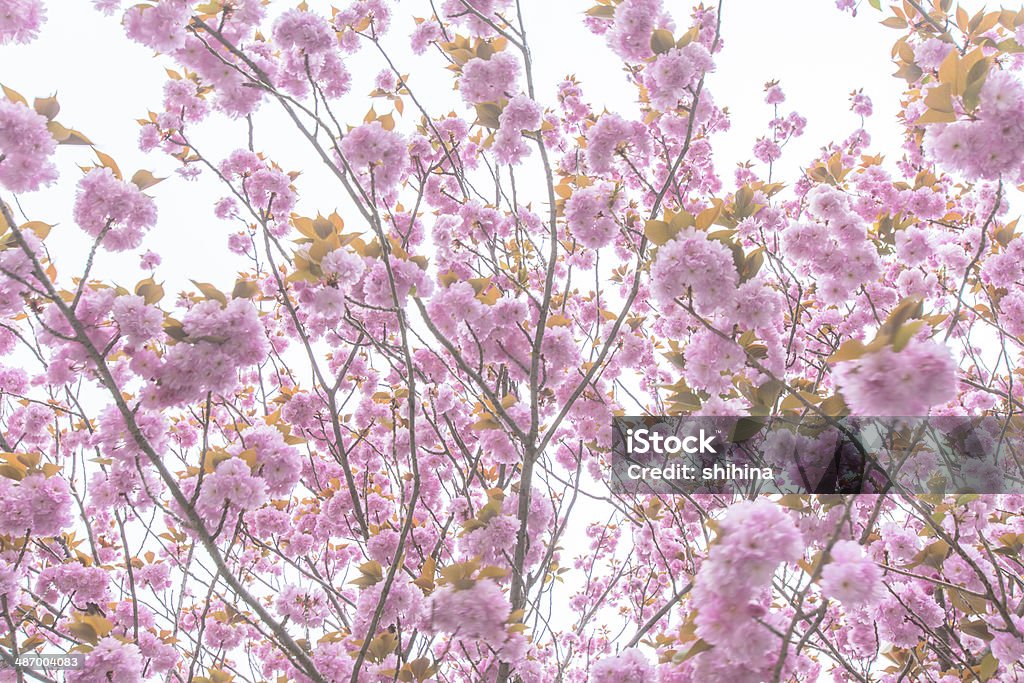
988 145
732 588
381 453
115 212
25 148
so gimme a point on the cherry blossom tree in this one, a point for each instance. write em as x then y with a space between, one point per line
380 453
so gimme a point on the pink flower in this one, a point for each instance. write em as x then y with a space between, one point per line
403 604
692 265
138 322
20 20
521 113
903 383
675 71
306 607
489 80
106 7
767 150
149 260
477 612
756 536
105 203
773 93
386 80
343 267
629 665
25 148
990 146
378 153
851 578
85 584
455 10
611 137
13 380
707 357
632 26
333 661
1012 306
1007 647
155 576
1002 95
39 503
509 147
305 30
183 103
930 53
225 208
221 340
110 660
278 463
590 214
827 203
423 35
383 546
860 104
160 26
901 543
162 656
232 483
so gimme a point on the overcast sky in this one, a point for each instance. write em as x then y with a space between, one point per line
105 82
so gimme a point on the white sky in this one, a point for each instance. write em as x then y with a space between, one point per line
105 82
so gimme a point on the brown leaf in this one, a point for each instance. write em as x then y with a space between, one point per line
47 106
143 179
245 289
211 292
662 41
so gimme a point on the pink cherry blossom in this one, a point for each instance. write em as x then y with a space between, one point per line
114 211
376 152
850 577
489 80
20 20
476 612
112 660
160 26
905 382
25 148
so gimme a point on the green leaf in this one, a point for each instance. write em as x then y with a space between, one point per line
13 95
149 290
903 335
145 179
487 115
245 289
745 428
659 232
662 41
211 292
988 667
107 161
47 107
601 11
695 649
